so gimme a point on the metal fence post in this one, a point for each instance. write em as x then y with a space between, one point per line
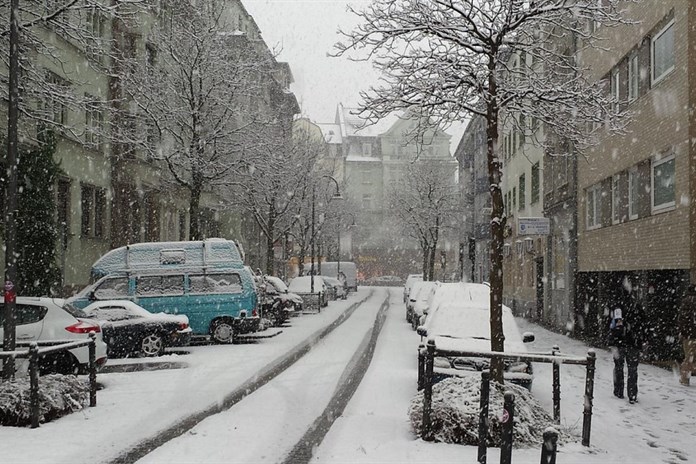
421 365
549 447
589 391
508 424
92 369
556 387
483 416
428 392
34 384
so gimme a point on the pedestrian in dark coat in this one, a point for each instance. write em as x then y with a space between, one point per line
687 333
625 338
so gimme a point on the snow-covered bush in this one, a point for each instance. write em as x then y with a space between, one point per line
58 395
455 414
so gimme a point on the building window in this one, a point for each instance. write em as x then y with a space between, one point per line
535 183
367 201
663 184
367 149
633 193
594 195
93 202
633 78
56 110
514 198
94 122
523 191
615 200
662 52
615 89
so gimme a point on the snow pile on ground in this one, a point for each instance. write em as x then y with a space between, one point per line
455 414
58 395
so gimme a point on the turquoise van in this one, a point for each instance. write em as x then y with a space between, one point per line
204 280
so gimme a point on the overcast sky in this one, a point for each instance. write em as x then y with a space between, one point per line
305 31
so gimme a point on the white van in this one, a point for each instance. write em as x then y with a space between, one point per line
331 269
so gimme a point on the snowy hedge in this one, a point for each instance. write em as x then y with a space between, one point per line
455 414
58 395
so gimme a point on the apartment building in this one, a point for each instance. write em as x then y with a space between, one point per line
636 214
375 159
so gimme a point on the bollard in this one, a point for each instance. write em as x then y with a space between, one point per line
483 416
589 391
556 387
549 447
428 392
92 369
507 420
34 384
421 366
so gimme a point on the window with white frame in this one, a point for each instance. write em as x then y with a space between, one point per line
367 201
662 177
594 207
633 193
367 149
662 52
615 200
94 122
615 89
633 75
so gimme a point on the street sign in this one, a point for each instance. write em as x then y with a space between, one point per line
533 226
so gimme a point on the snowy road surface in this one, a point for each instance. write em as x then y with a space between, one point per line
374 427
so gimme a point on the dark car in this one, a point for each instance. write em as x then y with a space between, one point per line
280 303
128 329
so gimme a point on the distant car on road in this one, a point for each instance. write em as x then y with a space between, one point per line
44 319
463 324
129 329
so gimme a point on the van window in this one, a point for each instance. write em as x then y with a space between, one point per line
114 288
160 285
215 283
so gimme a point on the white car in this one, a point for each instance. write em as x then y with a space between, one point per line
421 299
46 319
410 280
463 324
303 286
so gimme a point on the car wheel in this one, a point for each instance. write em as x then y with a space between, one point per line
222 331
152 345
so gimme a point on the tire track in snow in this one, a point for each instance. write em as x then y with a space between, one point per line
263 376
348 383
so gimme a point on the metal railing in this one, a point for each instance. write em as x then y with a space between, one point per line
54 346
426 357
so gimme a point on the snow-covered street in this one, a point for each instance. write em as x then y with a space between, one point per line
264 427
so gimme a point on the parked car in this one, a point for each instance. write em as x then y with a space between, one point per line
410 280
463 324
338 288
45 319
280 302
419 300
129 329
348 268
204 280
303 287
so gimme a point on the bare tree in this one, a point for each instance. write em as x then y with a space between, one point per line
450 59
422 202
275 191
198 99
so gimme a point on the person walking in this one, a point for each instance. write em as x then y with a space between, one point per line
687 333
626 342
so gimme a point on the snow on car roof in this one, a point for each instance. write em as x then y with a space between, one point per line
303 284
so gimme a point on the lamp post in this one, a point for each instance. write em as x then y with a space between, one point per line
338 244
336 196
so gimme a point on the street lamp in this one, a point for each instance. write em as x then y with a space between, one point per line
336 196
338 244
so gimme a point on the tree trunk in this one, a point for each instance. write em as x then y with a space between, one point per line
497 224
270 259
431 262
194 207
425 261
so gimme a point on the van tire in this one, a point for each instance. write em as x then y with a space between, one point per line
222 331
152 345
